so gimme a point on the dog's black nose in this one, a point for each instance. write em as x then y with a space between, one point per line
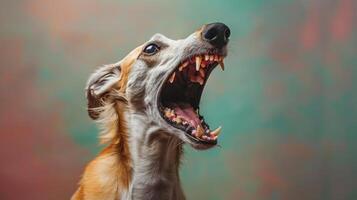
216 34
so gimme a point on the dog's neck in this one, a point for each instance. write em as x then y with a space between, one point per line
155 159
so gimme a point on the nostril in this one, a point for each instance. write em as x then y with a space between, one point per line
211 34
216 34
227 33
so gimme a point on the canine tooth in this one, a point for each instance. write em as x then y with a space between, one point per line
172 78
221 64
216 132
183 65
206 57
216 58
198 62
211 58
199 131
167 112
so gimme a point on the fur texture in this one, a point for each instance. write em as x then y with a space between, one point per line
142 157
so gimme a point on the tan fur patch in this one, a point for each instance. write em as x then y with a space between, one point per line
126 65
100 180
109 174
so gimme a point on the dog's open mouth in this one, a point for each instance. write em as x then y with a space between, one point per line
180 97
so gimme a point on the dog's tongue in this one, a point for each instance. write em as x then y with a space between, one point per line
187 112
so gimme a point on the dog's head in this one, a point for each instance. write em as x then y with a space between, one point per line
162 80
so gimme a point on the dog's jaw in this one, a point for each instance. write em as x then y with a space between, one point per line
144 95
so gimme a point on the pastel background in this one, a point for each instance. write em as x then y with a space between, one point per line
287 100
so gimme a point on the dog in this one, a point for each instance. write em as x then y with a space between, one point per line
147 107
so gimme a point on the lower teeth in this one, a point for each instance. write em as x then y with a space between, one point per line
199 132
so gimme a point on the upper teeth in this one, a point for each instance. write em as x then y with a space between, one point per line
211 58
221 64
198 62
206 57
172 78
183 65
201 62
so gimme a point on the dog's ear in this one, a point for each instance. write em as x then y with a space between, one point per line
104 80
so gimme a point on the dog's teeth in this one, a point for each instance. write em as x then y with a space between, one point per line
220 58
172 115
198 62
206 57
199 131
216 132
172 78
221 64
215 58
183 65
168 112
211 58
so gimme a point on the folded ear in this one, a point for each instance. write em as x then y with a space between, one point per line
100 83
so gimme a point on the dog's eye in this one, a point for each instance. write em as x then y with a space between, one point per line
151 49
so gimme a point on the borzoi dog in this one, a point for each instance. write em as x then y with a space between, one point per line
147 106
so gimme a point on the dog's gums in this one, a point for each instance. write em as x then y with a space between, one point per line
181 93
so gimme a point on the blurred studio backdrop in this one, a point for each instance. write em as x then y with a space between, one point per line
287 100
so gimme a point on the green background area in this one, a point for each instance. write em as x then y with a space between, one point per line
287 100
